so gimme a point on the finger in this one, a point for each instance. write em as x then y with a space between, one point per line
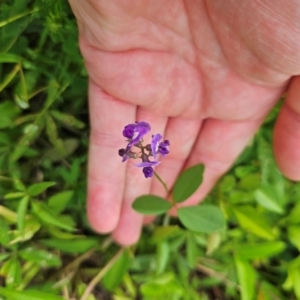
218 145
182 134
130 223
287 133
106 173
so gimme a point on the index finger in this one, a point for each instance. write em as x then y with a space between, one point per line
106 173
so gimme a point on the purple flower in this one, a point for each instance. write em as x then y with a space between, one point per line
128 131
163 148
135 132
154 143
156 147
148 172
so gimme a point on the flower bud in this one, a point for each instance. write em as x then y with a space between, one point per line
121 152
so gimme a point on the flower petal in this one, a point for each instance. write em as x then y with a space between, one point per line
148 172
140 130
154 143
128 131
147 164
163 148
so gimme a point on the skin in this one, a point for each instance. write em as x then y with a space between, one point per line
204 74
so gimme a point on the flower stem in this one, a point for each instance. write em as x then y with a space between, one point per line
100 275
162 182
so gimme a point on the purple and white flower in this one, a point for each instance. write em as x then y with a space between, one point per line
161 148
154 144
134 134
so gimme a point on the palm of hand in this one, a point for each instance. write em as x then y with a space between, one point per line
196 72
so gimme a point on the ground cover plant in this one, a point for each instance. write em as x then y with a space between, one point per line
47 249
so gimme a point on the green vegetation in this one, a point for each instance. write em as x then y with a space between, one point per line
47 249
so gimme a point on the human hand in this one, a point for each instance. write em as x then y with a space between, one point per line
202 73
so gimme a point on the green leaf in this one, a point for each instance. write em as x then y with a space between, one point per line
116 273
165 286
14 195
191 250
243 171
165 232
268 292
267 197
3 256
294 214
5 267
22 210
213 242
250 182
52 133
202 218
13 276
67 119
32 225
71 246
247 278
227 183
4 232
259 251
8 214
70 145
59 201
295 276
19 185
41 257
187 183
38 188
28 295
57 233
23 103
294 236
162 256
293 279
10 58
8 112
44 213
254 222
31 132
151 205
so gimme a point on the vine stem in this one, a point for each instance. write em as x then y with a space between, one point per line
100 275
162 182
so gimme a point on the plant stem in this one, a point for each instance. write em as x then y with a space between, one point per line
162 182
74 264
16 17
166 220
100 275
